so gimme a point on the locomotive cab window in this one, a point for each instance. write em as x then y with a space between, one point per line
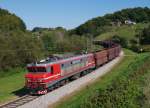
41 69
37 69
31 69
62 66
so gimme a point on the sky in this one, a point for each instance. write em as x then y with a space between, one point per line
65 13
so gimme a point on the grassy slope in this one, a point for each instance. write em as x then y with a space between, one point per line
11 84
146 90
124 31
78 99
126 91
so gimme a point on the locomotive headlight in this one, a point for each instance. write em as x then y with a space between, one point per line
28 80
40 80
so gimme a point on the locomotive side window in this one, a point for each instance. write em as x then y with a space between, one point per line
52 69
62 66
48 69
76 61
66 67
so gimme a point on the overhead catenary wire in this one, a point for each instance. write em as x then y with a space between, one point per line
18 50
130 55
13 51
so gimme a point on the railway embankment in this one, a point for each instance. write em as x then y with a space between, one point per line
126 85
56 95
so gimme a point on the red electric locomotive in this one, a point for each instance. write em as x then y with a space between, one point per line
45 74
52 72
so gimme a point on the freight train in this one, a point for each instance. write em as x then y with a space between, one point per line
54 71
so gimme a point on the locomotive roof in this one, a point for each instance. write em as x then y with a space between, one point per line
54 60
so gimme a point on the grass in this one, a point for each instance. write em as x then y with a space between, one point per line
83 98
125 91
146 90
146 47
11 85
125 31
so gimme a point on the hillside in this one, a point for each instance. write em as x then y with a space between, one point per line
134 37
17 47
100 24
58 40
9 21
125 31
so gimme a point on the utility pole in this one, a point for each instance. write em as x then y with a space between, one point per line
139 36
87 44
91 42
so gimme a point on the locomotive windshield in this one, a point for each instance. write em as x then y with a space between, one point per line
37 69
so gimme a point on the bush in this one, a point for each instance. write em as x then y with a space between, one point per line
145 37
18 48
120 40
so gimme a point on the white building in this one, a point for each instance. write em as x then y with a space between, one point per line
129 22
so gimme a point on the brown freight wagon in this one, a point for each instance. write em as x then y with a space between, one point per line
111 53
100 57
117 50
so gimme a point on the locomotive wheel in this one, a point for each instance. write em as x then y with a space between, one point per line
62 83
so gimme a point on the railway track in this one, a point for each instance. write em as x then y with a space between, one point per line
19 102
25 99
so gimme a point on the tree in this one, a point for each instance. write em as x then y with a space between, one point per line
120 40
145 36
10 22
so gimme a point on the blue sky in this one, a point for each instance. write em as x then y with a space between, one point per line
66 13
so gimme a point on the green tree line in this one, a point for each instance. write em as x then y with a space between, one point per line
100 24
19 46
